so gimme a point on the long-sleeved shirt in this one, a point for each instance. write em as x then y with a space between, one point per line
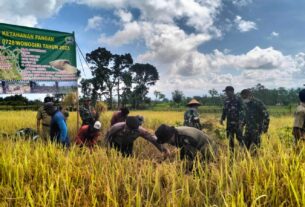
118 134
58 129
190 140
87 115
85 137
233 111
257 116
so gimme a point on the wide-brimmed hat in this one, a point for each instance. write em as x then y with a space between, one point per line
193 102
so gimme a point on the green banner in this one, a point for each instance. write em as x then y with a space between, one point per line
31 54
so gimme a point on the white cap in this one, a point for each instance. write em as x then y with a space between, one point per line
97 125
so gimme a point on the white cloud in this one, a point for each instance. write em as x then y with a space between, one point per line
243 25
242 3
275 34
94 23
125 16
27 12
28 20
198 14
129 33
257 58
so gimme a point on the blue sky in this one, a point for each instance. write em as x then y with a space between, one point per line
196 45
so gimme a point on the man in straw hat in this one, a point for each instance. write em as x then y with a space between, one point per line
191 116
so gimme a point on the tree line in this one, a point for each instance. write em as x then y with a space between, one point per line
115 75
271 97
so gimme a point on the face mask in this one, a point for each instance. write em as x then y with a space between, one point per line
246 100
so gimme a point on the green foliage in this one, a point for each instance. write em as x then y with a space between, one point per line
177 96
117 72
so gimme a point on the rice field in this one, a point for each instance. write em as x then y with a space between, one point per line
39 174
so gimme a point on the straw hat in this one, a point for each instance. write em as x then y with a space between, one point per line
193 102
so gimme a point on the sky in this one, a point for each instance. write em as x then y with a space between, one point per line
196 45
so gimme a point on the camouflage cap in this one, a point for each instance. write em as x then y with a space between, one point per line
228 88
245 93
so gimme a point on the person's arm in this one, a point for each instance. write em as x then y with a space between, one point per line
63 129
299 118
79 137
113 119
224 113
241 112
113 130
266 119
39 117
95 139
38 126
297 133
152 139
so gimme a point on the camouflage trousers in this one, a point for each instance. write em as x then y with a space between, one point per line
232 133
252 137
45 133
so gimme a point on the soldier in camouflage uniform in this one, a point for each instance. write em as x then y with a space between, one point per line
191 116
44 119
189 140
88 113
299 119
256 119
233 111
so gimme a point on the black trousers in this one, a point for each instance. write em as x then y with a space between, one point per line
125 149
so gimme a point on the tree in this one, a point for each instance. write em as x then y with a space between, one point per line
159 96
213 92
177 96
144 76
86 87
100 60
108 71
121 66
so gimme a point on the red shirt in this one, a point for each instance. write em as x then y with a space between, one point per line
82 137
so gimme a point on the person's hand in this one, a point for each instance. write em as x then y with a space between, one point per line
221 122
166 153
265 130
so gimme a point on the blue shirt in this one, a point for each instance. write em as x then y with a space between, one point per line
59 130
